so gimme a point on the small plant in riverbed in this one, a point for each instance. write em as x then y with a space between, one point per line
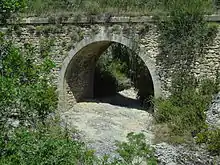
211 138
135 151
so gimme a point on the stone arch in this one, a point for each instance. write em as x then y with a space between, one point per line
77 72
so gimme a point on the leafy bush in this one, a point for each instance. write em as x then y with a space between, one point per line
211 138
32 147
8 7
52 145
136 151
27 93
185 114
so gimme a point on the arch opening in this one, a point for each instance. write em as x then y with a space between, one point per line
76 81
122 78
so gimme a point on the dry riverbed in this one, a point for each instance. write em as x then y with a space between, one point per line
101 123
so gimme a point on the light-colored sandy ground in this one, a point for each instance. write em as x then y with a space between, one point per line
101 124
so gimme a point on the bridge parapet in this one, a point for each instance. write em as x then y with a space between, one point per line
94 19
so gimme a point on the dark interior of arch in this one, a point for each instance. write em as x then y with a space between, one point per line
118 69
85 83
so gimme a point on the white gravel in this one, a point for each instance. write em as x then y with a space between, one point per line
213 113
101 124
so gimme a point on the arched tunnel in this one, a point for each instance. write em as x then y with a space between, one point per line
80 72
76 81
120 74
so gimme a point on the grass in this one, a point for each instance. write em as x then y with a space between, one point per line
72 7
88 7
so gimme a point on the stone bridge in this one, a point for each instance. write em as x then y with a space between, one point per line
75 44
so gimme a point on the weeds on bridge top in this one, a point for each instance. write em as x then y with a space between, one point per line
88 7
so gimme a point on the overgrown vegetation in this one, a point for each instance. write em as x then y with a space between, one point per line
26 92
43 146
185 114
211 138
8 7
40 7
53 145
184 37
64 7
136 151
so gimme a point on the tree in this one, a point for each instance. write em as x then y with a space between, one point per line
9 7
26 90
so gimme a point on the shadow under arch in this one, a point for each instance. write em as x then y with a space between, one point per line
76 76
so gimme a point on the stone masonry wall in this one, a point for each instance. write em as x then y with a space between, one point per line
65 35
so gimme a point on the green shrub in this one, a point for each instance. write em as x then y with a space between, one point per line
211 138
184 38
46 47
54 146
9 7
209 87
32 147
135 151
185 114
27 92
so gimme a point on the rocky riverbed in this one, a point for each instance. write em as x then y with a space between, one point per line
101 123
213 113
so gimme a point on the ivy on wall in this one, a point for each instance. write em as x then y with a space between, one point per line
184 36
